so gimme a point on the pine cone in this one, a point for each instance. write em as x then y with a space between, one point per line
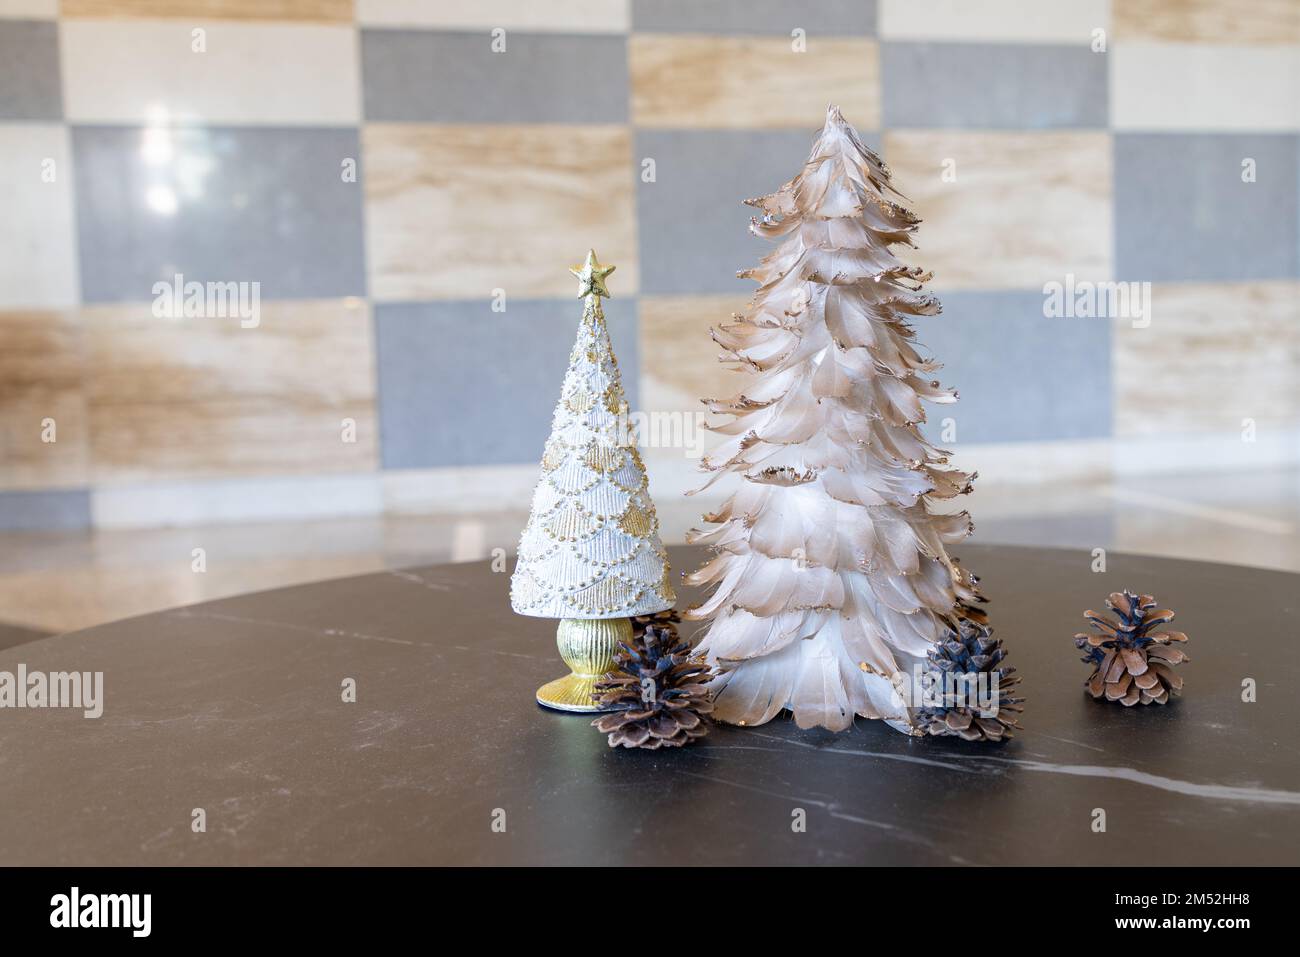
665 620
971 651
1132 662
658 690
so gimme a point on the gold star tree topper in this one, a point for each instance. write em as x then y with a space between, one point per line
591 277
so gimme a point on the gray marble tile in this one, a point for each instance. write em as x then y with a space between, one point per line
1182 210
735 17
693 224
1020 376
218 204
993 86
30 88
62 508
426 76
462 385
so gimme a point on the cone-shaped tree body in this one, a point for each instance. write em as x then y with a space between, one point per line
831 580
591 547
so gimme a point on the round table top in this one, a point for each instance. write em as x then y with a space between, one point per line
236 707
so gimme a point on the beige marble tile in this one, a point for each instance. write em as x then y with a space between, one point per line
1214 354
993 21
1023 209
144 71
679 367
564 16
679 362
181 398
38 252
454 212
1207 21
1203 87
41 398
711 82
213 9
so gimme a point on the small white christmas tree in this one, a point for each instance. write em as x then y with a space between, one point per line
831 578
590 553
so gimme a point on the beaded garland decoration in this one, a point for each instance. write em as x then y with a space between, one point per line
591 547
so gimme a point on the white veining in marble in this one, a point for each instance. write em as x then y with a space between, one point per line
417 580
288 626
1215 792
832 809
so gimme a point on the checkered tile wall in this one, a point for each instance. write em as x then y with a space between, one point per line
493 142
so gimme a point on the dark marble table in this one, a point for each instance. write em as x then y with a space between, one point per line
235 707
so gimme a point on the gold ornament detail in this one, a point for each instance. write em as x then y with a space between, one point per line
580 402
591 277
572 524
636 522
639 486
554 455
603 458
587 647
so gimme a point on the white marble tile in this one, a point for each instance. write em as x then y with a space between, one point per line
1203 87
147 71
1274 448
200 10
235 500
1001 21
29 9
38 257
463 490
564 16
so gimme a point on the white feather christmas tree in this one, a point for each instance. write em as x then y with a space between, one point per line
831 578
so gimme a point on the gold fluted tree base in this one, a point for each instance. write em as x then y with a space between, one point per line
587 646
